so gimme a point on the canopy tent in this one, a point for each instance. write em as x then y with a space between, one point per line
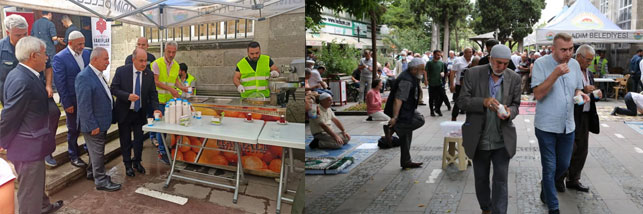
165 13
480 39
586 24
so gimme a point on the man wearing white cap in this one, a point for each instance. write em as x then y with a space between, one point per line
490 95
402 108
556 79
325 137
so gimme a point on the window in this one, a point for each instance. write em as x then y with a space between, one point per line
624 20
231 29
604 7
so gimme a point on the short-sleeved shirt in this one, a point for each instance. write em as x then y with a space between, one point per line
404 89
634 62
368 63
253 64
555 111
459 65
45 30
315 79
70 29
6 174
326 116
433 69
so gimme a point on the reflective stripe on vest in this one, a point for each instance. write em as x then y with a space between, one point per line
255 81
601 68
170 80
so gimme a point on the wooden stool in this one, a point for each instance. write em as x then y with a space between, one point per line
453 152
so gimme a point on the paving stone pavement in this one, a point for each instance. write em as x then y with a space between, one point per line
377 185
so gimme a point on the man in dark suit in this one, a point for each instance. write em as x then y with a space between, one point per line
488 134
67 64
135 91
586 120
25 124
95 110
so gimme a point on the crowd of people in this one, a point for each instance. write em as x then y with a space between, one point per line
488 88
138 90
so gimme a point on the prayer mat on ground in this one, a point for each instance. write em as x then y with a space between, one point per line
636 125
359 149
604 114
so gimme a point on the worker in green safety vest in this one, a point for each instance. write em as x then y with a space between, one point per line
599 63
187 79
166 77
253 71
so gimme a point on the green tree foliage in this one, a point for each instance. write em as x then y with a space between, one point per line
338 58
358 8
513 18
407 28
441 10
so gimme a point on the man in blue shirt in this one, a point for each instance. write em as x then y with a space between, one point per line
556 79
635 71
45 30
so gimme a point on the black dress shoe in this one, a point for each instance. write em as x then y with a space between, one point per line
139 168
412 165
577 186
79 163
53 207
560 185
129 171
110 187
432 114
439 113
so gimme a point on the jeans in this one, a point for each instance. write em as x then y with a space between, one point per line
364 86
555 155
158 135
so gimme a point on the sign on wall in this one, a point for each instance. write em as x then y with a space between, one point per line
102 37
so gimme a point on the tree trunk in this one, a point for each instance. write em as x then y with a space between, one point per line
457 41
446 35
435 35
520 46
374 43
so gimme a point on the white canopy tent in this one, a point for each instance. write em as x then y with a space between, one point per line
586 25
165 13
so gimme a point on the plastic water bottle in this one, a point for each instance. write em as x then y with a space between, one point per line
179 108
171 112
186 108
166 118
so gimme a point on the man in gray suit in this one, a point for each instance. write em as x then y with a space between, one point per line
95 110
490 95
25 130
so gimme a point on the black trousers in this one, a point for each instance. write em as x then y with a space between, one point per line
125 129
579 152
404 130
635 82
435 98
496 198
455 111
631 106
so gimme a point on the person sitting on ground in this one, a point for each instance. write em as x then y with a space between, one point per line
634 103
374 103
325 137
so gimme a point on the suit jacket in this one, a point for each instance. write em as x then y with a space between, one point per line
122 87
26 117
475 89
95 105
65 71
594 124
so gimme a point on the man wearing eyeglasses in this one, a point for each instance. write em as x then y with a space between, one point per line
556 80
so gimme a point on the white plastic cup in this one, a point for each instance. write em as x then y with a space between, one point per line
150 121
157 116
502 110
198 115
579 100
595 92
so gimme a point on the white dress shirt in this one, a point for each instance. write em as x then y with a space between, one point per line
140 81
586 83
32 70
103 82
78 58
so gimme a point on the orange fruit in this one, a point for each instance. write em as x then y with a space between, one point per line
276 150
219 160
275 165
173 139
183 148
252 162
230 156
203 159
189 156
256 116
179 156
268 156
195 142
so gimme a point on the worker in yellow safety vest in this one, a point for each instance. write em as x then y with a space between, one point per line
187 79
166 77
599 65
253 71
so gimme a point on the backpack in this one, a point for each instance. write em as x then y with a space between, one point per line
384 144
